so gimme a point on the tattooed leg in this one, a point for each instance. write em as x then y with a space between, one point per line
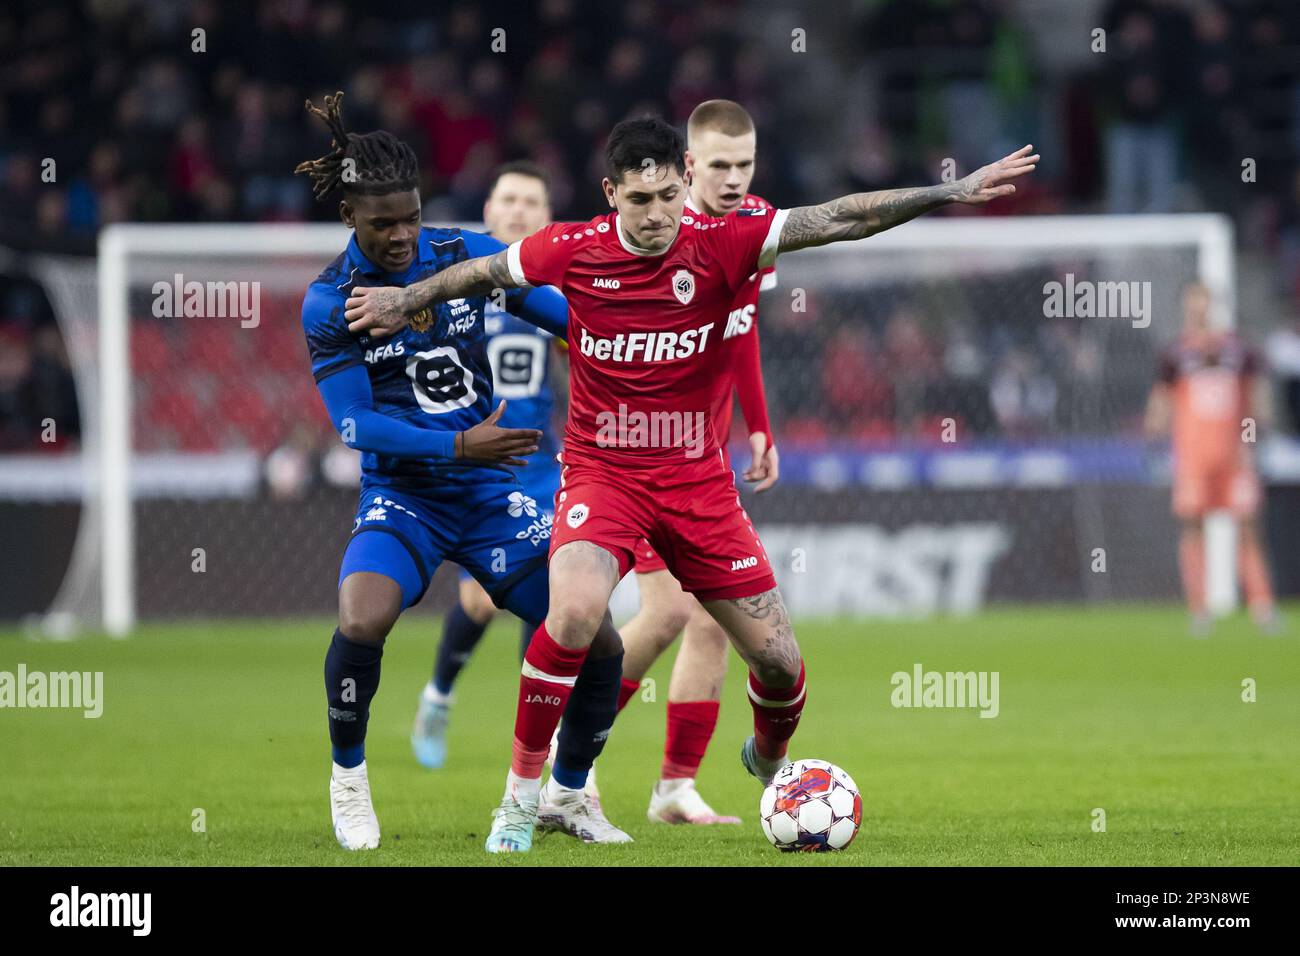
760 630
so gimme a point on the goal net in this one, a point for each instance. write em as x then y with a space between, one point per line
957 403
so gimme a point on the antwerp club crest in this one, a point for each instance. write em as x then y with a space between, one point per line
684 286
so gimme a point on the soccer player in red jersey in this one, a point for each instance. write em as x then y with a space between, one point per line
720 156
646 287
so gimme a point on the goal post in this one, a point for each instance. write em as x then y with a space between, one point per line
117 244
132 257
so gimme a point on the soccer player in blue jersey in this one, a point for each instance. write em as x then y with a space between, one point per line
528 366
436 477
526 363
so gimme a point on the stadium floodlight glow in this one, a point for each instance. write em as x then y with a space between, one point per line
110 523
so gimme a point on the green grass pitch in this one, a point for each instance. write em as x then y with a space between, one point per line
1117 709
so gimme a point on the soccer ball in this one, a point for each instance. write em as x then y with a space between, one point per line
811 805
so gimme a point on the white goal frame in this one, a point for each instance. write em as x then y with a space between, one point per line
1210 234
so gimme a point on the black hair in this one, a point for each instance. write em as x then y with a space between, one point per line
520 167
632 142
380 162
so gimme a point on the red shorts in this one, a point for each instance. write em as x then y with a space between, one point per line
646 560
1230 486
689 513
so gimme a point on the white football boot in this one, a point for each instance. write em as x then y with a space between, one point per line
576 813
677 801
355 825
591 790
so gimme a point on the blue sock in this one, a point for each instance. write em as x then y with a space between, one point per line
588 717
460 635
351 679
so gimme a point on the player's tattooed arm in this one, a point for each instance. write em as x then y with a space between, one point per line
865 214
381 311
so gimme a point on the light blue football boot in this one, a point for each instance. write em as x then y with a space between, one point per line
762 769
429 735
512 825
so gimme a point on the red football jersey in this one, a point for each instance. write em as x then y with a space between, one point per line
646 329
744 356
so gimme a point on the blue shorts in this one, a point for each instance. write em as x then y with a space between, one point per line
493 528
540 483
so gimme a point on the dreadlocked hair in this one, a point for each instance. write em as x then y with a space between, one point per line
380 162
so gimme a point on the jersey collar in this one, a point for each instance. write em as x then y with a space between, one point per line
357 259
637 250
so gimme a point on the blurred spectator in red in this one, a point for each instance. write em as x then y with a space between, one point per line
855 385
913 366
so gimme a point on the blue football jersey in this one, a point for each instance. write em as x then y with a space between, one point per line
434 373
520 355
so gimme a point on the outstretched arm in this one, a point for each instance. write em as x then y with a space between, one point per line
382 311
350 404
865 214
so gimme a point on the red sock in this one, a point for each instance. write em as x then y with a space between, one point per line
776 714
546 680
625 692
690 728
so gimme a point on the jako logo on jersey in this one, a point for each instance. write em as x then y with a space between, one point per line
741 564
683 286
521 504
577 515
645 346
550 700
604 283
388 351
739 321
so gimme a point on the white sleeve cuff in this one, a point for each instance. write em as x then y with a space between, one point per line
513 261
767 255
767 282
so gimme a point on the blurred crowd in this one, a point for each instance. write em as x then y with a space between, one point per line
146 128
193 111
38 403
